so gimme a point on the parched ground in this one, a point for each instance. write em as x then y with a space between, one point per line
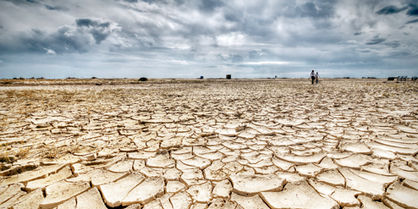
209 144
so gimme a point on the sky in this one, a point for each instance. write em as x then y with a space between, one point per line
210 38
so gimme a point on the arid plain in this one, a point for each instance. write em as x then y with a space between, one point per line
284 143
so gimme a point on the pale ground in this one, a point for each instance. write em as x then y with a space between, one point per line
210 144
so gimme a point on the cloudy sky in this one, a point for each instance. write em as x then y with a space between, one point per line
190 38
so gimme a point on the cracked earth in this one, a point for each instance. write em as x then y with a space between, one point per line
211 144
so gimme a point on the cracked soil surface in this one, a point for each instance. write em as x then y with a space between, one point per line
210 144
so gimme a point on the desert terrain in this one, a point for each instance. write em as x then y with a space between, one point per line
273 143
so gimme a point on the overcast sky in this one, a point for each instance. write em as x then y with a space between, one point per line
190 38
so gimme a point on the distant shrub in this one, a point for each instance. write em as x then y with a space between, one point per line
143 79
391 78
93 77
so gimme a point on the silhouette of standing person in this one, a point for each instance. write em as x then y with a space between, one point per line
316 77
313 76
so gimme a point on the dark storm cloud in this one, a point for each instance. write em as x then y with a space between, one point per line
388 10
375 40
412 21
99 30
66 39
317 9
393 44
91 23
210 5
63 40
37 3
249 37
23 1
57 8
413 9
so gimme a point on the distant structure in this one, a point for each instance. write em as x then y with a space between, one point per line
228 76
143 79
402 78
368 78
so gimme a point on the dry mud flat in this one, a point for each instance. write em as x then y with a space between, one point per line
213 144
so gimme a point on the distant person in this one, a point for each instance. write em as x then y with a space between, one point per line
313 76
316 77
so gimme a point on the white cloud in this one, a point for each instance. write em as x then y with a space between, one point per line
231 39
181 62
50 51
